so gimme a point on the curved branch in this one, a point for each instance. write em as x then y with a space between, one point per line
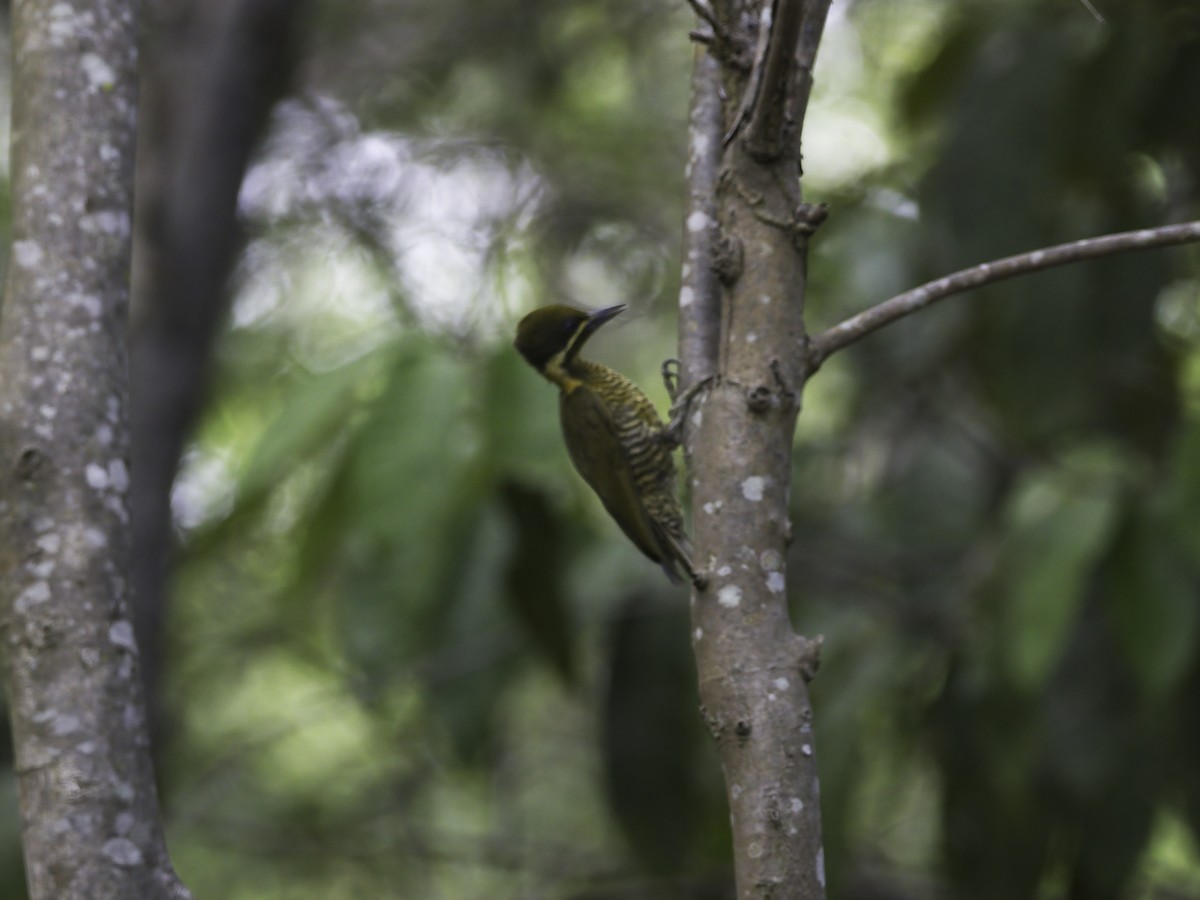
859 326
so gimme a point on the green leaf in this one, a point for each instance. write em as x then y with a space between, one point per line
536 592
316 411
1184 491
650 732
1058 526
1153 602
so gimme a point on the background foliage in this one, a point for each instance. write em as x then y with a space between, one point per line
409 655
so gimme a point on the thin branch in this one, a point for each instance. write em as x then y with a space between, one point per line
862 324
751 92
702 11
764 130
1095 12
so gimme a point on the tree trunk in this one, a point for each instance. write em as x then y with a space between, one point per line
753 669
89 810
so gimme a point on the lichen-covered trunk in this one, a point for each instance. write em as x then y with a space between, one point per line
753 668
90 820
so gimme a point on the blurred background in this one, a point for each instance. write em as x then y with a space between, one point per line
394 646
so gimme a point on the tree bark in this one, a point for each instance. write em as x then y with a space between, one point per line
752 668
90 819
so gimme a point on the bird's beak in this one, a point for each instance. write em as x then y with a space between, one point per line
600 316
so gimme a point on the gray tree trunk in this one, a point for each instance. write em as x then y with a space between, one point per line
90 819
747 224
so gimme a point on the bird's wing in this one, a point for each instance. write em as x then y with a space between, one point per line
595 449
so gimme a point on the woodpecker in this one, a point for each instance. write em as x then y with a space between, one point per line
613 433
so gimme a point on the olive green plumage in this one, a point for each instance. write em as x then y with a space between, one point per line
612 431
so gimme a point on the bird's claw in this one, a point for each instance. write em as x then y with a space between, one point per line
681 402
670 377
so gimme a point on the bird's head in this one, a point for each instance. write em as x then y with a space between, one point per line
550 337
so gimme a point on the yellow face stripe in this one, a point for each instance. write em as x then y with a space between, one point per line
556 366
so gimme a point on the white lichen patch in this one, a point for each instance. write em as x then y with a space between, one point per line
95 538
751 338
697 418
48 412
106 221
116 506
771 560
772 696
50 542
100 75
124 822
38 592
752 488
755 850
796 805
697 634
724 570
698 221
27 254
686 295
735 791
97 476
821 866
118 475
781 684
109 153
775 582
64 724
765 299
120 633
104 434
89 303
123 852
730 596
806 749
39 354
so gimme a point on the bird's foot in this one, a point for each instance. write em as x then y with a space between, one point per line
681 404
670 377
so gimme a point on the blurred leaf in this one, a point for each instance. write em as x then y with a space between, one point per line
414 485
312 415
535 576
1184 490
1153 600
1056 530
995 828
650 729
518 415
314 412
474 644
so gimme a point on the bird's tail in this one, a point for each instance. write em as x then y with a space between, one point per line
681 557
